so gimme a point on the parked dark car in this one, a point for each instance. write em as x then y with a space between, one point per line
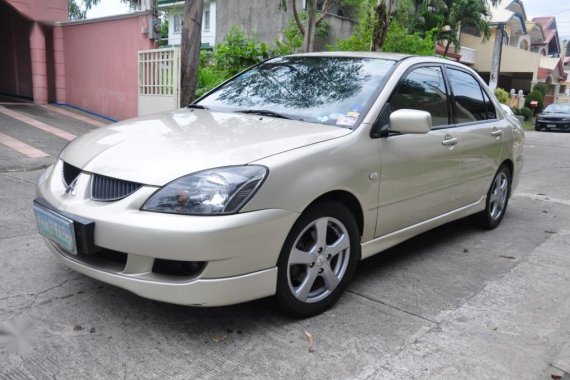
556 117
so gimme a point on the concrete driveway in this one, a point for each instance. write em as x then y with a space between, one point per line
454 302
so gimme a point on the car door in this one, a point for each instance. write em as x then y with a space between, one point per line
480 132
418 176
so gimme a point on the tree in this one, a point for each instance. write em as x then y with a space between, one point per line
190 50
400 40
75 11
381 23
459 13
308 27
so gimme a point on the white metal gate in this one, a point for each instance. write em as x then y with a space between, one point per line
159 80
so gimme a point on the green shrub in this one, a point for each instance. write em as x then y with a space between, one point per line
292 41
502 95
542 88
535 95
516 111
361 37
239 52
208 78
526 112
399 40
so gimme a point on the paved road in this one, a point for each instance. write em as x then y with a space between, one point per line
454 302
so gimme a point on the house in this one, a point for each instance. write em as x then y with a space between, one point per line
46 58
174 13
550 45
523 52
259 18
28 48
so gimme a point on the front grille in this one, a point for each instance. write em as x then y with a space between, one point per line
111 189
70 172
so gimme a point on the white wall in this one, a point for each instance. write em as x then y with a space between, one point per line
208 35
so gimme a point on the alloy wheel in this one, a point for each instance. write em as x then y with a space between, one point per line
499 195
318 260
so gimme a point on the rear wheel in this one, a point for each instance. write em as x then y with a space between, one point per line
497 201
318 259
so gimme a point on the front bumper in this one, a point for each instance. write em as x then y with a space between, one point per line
196 292
238 252
553 125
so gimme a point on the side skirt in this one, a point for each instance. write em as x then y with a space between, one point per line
382 243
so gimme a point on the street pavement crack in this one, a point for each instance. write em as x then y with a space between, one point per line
543 198
393 307
17 236
38 294
546 168
19 179
560 369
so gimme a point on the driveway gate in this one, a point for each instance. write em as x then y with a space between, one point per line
159 80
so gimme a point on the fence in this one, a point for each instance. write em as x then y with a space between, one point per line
158 80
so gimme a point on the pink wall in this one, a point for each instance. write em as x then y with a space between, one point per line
100 59
41 10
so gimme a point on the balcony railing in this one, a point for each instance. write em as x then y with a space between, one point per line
468 55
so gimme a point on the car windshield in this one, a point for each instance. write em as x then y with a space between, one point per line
326 90
557 108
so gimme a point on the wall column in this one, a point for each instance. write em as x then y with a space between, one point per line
39 66
556 92
59 59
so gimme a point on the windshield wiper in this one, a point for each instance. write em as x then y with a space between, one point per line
265 113
197 106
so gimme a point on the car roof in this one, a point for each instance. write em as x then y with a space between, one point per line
355 54
381 55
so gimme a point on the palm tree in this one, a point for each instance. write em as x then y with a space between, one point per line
458 13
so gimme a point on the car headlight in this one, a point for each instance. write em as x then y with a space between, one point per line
211 192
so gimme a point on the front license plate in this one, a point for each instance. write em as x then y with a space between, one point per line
56 228
550 125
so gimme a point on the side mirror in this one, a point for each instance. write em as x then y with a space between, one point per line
410 121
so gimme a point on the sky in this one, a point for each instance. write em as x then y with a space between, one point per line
557 8
108 8
534 8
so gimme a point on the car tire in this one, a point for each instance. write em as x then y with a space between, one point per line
537 128
318 259
497 201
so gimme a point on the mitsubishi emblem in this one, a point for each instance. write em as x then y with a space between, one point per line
70 189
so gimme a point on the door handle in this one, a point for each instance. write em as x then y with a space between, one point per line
496 132
449 141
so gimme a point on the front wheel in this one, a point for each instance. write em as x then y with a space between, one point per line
497 201
318 259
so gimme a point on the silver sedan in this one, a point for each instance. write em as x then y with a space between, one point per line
280 180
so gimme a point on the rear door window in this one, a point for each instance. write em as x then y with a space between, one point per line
470 105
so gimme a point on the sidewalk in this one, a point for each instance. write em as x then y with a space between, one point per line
515 328
31 136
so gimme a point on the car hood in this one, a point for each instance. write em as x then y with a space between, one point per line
157 149
554 115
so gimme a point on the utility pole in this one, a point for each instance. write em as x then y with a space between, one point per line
496 60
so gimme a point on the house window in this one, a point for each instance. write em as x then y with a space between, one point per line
207 20
178 20
506 37
319 4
